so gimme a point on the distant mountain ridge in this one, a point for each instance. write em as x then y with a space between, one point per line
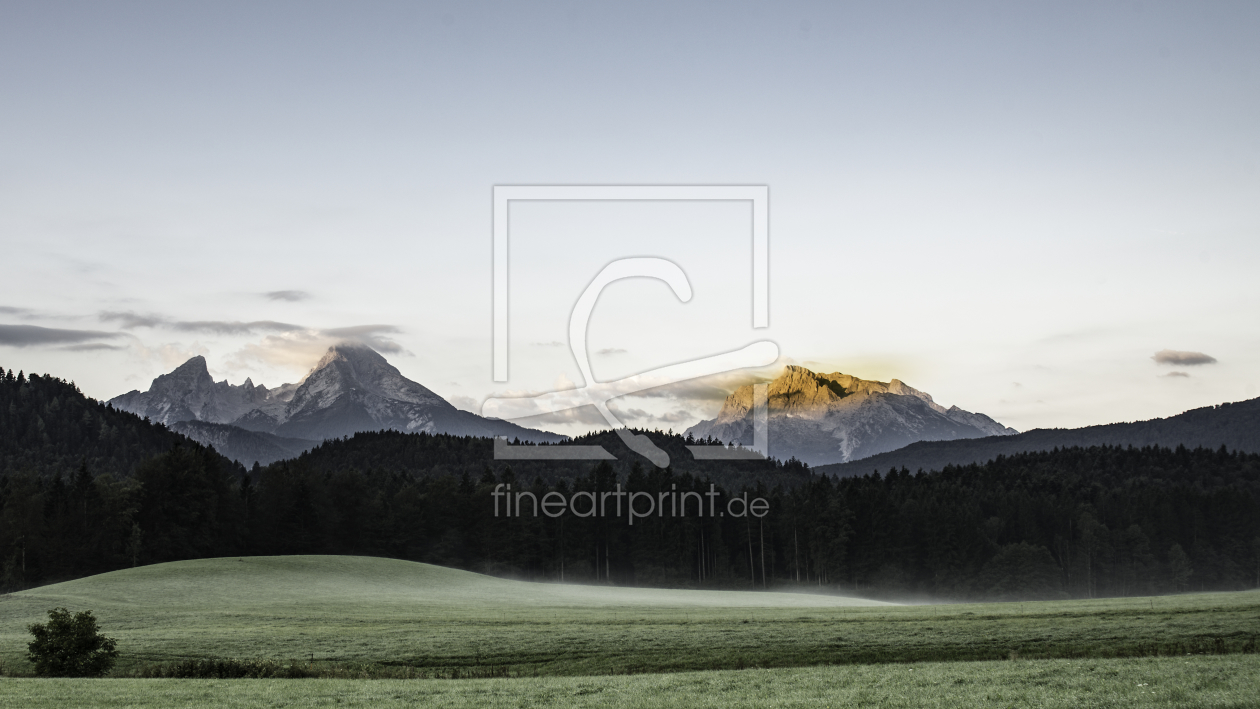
246 447
189 393
351 389
829 418
1233 425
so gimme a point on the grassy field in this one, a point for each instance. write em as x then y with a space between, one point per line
357 616
1218 682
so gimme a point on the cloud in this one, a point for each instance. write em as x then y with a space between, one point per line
235 327
130 320
294 351
1175 374
28 335
587 415
16 312
289 296
703 394
639 415
610 351
370 335
590 416
91 347
679 416
1182 359
300 349
286 345
464 403
553 343
715 387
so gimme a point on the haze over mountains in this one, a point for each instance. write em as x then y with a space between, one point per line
351 389
835 418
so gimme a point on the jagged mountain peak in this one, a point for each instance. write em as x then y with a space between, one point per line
352 366
196 363
351 388
350 351
801 391
835 417
195 369
189 393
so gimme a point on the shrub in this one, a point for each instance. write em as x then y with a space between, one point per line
70 646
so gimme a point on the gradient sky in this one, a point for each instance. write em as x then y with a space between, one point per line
1013 208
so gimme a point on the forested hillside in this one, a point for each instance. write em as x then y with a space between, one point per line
1233 425
1076 522
441 454
48 427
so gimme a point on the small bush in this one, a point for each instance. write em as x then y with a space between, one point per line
70 646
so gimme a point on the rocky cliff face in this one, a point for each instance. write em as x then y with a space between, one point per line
351 389
189 393
835 418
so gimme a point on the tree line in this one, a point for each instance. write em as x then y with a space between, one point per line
47 426
1081 522
86 489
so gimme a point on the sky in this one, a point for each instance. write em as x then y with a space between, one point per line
1014 207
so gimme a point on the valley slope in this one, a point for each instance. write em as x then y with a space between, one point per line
1236 426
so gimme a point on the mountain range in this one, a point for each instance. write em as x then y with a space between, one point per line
1236 426
816 418
835 418
351 389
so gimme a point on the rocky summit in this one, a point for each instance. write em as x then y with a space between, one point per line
189 393
352 388
836 418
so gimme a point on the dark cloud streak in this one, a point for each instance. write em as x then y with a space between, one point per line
33 335
130 321
91 347
226 327
289 296
373 336
1182 359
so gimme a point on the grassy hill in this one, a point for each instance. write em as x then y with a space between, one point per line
383 617
367 585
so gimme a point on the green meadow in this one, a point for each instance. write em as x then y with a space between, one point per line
380 631
1225 682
